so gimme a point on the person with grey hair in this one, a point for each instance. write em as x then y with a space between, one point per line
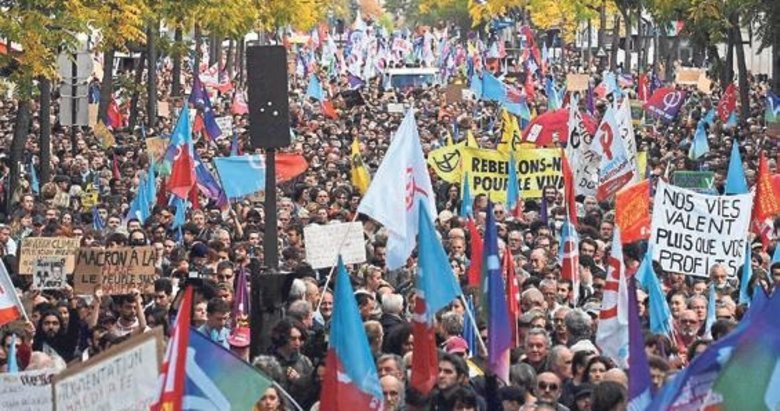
392 307
451 324
301 310
524 376
393 390
537 347
297 290
578 325
270 366
559 362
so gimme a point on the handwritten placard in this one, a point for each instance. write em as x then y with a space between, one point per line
324 243
49 273
116 270
54 247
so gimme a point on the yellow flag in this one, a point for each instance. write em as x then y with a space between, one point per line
445 162
470 140
360 176
449 141
102 132
510 135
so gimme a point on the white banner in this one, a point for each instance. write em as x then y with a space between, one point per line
26 391
324 243
122 378
584 161
225 124
692 232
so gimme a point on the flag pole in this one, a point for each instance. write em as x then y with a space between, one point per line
333 268
287 395
473 323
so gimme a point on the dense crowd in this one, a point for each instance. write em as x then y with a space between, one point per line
555 365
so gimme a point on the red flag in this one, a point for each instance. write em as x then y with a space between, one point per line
530 90
182 177
568 189
114 118
198 126
329 111
425 361
541 130
512 295
642 89
570 259
289 166
115 169
172 372
727 103
632 211
193 196
475 266
765 205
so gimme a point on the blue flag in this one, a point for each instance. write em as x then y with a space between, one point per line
493 89
97 222
553 101
775 255
34 184
241 175
435 278
735 179
499 327
466 202
476 86
700 144
639 383
206 182
468 328
200 99
314 90
747 273
13 364
140 206
661 321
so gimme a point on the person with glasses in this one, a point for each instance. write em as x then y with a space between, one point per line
548 390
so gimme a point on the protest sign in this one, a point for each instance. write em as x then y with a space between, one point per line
225 124
584 161
632 212
454 93
49 273
26 391
163 109
122 378
577 82
155 148
488 171
698 181
704 84
55 247
692 232
92 115
89 199
688 75
117 270
395 108
324 243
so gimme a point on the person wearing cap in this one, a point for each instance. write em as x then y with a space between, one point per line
582 397
239 342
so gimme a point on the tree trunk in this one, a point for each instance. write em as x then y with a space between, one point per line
615 44
218 51
21 128
229 58
212 49
744 87
776 60
640 37
728 68
627 43
139 77
589 54
106 84
176 71
671 57
602 24
151 73
240 58
44 117
196 66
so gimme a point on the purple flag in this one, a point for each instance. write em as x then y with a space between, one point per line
639 371
200 99
665 103
240 313
499 327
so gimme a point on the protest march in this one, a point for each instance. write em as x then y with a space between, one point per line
327 205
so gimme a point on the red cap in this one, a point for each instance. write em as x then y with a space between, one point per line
239 338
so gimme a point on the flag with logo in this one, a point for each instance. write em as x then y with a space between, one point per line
766 205
436 288
351 380
632 211
612 331
400 218
11 308
727 103
665 103
182 177
615 169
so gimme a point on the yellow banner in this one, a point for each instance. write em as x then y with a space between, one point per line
488 171
445 162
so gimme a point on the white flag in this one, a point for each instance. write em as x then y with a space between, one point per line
614 168
11 308
612 331
394 196
626 127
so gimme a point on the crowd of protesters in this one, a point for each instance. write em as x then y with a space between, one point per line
555 366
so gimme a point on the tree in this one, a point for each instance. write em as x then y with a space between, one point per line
42 28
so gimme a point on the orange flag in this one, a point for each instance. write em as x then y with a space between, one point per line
632 212
765 204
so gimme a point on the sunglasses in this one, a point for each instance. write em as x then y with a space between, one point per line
545 386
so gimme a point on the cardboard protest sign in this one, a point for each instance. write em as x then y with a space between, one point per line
163 109
698 181
704 84
488 171
49 273
55 247
692 232
26 391
688 75
92 115
584 161
122 378
324 243
116 270
225 124
577 82
454 93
